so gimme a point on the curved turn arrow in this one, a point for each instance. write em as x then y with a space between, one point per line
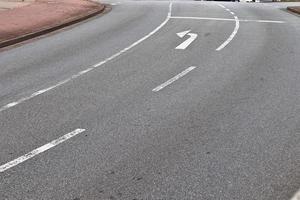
187 42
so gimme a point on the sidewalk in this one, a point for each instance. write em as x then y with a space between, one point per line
42 15
10 4
295 9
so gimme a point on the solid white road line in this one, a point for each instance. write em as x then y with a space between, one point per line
40 150
235 30
202 18
227 19
12 104
160 87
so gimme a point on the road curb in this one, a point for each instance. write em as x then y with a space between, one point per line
55 27
293 9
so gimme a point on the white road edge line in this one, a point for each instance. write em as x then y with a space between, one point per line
39 150
12 104
227 19
168 82
235 30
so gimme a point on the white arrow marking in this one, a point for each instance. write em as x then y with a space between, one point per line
187 42
183 33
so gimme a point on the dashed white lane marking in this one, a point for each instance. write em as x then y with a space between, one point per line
39 150
232 35
12 104
296 196
232 13
227 19
178 76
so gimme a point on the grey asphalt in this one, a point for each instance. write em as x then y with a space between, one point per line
229 129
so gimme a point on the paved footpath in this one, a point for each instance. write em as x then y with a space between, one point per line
42 14
10 4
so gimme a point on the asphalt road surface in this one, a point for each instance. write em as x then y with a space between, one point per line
123 107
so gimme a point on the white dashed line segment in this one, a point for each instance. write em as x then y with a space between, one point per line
39 150
160 87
